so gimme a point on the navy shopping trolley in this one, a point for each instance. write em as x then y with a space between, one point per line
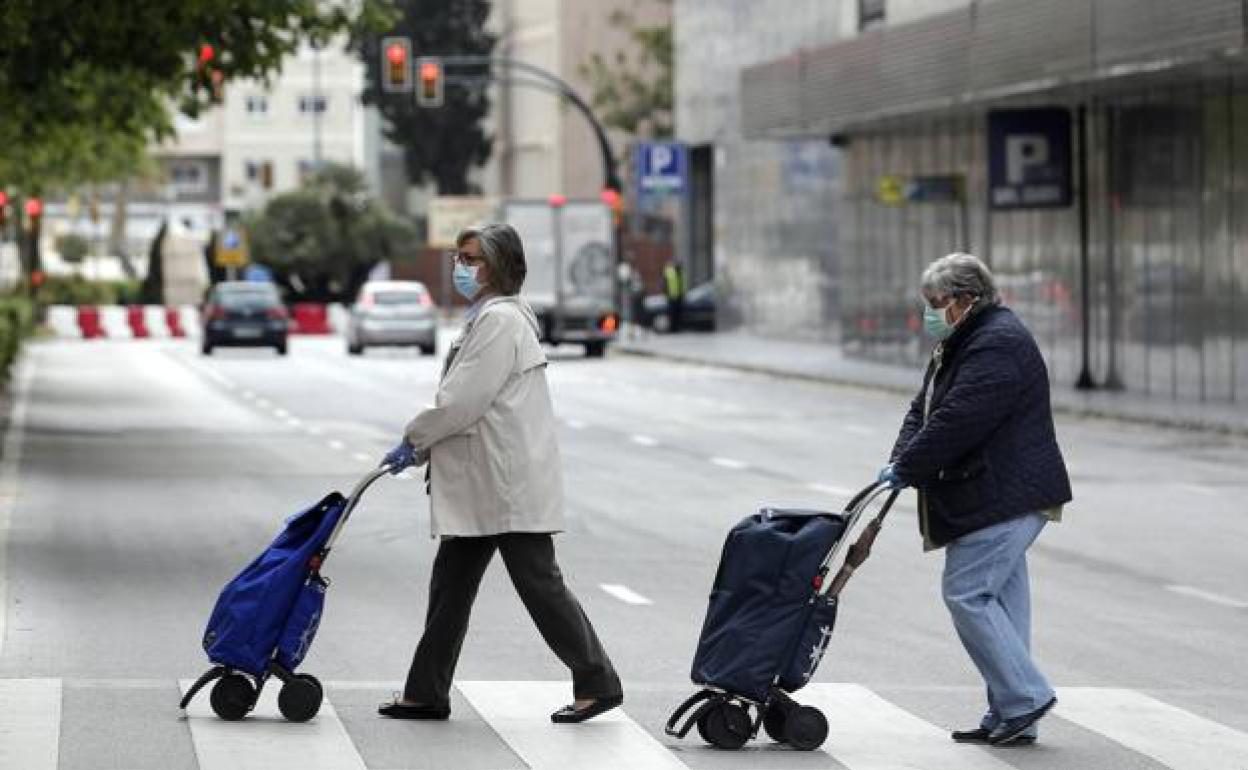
266 617
770 617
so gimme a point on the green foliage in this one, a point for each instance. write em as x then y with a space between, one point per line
85 86
72 247
321 240
76 290
16 323
440 144
634 94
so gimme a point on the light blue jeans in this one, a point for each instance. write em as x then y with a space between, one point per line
986 590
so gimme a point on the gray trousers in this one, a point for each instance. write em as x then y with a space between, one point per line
530 561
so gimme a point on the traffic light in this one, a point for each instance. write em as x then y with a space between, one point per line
429 91
396 68
207 75
4 211
34 215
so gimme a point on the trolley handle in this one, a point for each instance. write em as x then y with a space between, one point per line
861 549
352 500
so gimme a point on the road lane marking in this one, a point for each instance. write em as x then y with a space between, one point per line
315 431
334 443
280 413
10 479
869 733
263 403
575 424
829 489
294 422
624 594
1208 596
611 741
266 741
728 462
644 440
361 457
30 724
1173 736
248 394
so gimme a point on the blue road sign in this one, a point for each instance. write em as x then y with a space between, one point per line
662 168
1029 158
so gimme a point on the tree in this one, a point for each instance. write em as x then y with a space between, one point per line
440 144
322 240
76 77
633 94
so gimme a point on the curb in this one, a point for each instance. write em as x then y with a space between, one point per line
1061 405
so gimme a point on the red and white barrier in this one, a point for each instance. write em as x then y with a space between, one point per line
159 321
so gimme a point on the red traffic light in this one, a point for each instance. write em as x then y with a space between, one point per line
4 198
34 207
396 53
611 198
206 53
558 201
430 71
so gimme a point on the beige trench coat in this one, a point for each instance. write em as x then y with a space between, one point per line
490 435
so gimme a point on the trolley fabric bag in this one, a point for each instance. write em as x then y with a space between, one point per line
257 606
761 621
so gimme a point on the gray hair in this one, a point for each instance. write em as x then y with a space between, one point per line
959 275
503 253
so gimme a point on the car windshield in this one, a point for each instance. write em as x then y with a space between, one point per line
247 298
401 297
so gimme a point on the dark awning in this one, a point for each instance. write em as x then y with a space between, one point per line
988 51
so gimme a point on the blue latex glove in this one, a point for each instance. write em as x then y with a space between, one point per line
400 458
889 477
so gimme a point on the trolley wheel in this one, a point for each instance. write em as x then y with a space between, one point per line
728 726
805 728
774 720
300 698
232 697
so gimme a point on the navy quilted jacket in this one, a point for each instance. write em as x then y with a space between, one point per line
987 451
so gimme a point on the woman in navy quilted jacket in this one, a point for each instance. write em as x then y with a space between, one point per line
979 446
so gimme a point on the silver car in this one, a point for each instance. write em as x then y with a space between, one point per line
393 313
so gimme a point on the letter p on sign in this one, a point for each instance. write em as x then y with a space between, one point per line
1024 151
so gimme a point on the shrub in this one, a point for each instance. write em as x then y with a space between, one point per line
72 247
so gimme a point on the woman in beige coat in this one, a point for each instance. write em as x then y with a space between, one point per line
495 483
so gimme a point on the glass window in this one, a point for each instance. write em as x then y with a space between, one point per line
188 177
257 105
310 104
870 13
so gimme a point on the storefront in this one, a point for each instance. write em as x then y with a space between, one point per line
1115 214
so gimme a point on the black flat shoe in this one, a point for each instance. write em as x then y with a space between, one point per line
980 735
396 710
1010 732
572 715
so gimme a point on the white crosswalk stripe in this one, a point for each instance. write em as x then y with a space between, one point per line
1173 736
611 740
30 723
872 734
868 732
266 741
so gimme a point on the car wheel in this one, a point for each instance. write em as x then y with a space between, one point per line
429 350
206 348
595 349
662 324
281 349
354 349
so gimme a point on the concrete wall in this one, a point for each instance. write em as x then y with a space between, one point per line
775 202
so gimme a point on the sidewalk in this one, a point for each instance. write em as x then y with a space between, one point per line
825 362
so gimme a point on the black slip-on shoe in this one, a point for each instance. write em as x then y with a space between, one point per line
572 715
396 710
980 735
1010 731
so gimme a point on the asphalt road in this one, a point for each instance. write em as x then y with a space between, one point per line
139 476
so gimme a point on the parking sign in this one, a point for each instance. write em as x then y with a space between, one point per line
662 168
1029 158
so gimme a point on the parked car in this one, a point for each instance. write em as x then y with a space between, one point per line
393 313
698 312
244 314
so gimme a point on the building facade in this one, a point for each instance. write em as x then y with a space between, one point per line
764 212
543 146
1092 151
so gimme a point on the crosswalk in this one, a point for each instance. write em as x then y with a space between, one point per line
504 726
